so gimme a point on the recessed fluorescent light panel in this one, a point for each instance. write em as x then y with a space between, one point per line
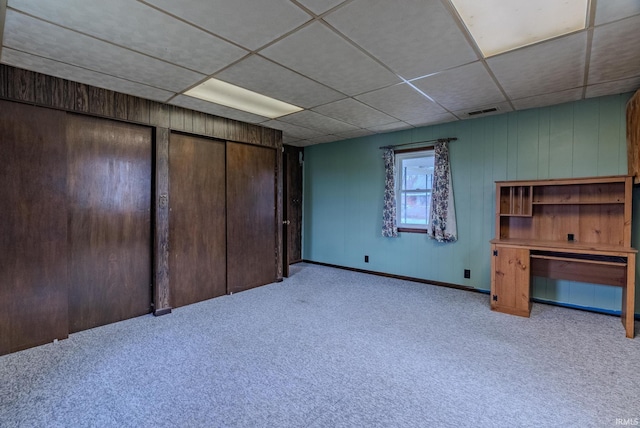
226 94
502 25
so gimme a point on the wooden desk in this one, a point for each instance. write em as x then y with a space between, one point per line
514 261
573 228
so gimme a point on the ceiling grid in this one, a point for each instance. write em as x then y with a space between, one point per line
355 67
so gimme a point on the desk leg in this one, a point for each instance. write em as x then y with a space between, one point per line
628 297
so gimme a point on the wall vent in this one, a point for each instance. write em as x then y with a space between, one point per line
483 111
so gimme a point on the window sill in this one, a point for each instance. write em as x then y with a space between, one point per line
410 230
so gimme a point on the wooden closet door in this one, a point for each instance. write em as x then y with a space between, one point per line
197 219
293 202
33 227
251 220
109 187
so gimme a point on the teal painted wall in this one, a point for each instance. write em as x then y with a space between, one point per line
343 188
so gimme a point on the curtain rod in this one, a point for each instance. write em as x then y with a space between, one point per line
439 140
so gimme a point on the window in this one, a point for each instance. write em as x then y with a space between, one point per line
414 182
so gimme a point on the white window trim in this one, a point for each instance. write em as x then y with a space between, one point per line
399 157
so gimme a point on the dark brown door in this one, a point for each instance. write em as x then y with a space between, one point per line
285 212
197 219
33 227
251 219
109 188
293 202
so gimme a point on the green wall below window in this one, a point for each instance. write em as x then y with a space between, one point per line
343 192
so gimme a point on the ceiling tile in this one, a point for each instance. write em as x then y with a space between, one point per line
608 10
295 131
156 33
354 134
37 37
614 87
431 120
402 102
396 126
318 122
548 99
265 77
461 88
615 51
355 113
319 6
412 37
81 75
249 23
547 67
302 143
320 140
287 139
216 109
322 55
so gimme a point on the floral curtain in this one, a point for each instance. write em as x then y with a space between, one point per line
389 225
442 225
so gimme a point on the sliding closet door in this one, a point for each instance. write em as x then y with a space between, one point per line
251 225
33 227
197 239
109 188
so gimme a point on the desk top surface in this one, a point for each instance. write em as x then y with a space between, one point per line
567 246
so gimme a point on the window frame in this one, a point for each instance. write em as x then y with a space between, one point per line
403 227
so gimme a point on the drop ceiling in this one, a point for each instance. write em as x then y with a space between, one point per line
356 67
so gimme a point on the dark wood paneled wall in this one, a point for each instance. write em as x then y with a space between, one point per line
197 219
27 87
109 203
251 216
33 227
34 88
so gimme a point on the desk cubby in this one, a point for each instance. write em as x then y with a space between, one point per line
515 201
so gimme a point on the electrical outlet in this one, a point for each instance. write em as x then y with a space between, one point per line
467 273
366 259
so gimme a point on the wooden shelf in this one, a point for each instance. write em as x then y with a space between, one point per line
577 260
578 203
